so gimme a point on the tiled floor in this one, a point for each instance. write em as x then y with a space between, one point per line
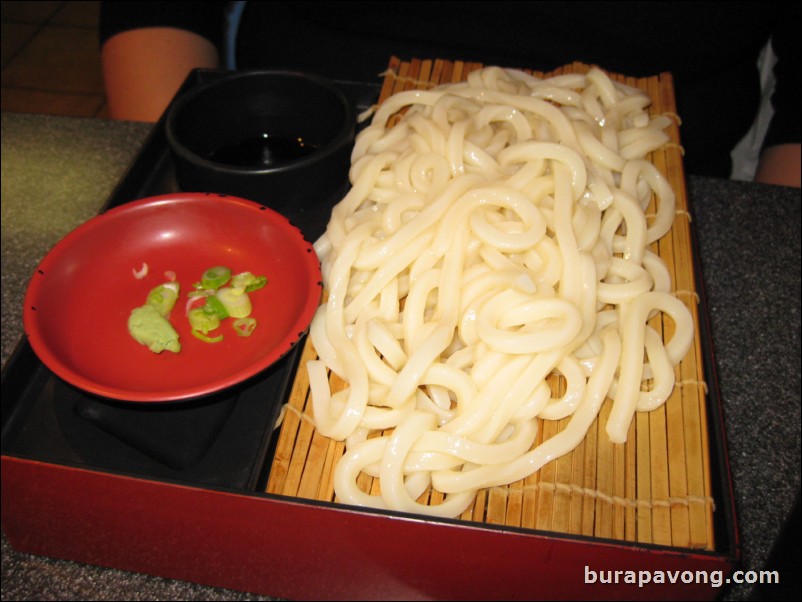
51 58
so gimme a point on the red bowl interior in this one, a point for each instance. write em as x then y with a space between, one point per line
79 299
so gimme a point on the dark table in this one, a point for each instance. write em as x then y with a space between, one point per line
57 172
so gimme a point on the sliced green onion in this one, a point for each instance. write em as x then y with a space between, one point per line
215 307
163 297
248 281
260 282
200 320
236 302
194 297
215 277
244 326
206 339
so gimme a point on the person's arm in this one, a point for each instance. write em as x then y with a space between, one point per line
780 164
779 161
143 69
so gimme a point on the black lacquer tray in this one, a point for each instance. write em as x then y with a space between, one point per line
219 440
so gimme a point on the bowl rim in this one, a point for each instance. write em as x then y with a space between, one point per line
343 136
176 203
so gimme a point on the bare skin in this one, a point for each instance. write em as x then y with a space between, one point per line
143 69
780 165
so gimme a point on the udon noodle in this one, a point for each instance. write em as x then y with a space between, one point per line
495 234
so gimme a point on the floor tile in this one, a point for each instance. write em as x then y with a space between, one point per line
58 59
14 37
29 12
78 14
51 58
49 103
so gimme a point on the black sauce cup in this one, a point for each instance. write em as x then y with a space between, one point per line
282 139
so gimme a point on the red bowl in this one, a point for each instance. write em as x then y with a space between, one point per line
79 299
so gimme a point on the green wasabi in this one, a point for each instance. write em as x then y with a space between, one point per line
149 325
152 329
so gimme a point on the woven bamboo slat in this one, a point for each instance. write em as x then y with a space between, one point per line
653 489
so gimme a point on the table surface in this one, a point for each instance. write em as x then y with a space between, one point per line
57 172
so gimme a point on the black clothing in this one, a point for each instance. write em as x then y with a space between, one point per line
711 48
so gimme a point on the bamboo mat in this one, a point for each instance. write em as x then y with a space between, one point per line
655 488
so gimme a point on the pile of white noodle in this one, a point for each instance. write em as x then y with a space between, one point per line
495 235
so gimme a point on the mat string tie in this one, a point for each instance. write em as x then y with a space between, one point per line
678 212
692 382
675 145
672 115
294 410
407 80
688 293
615 500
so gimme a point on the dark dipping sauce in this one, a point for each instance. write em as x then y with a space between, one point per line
262 151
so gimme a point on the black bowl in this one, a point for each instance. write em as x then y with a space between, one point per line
279 138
